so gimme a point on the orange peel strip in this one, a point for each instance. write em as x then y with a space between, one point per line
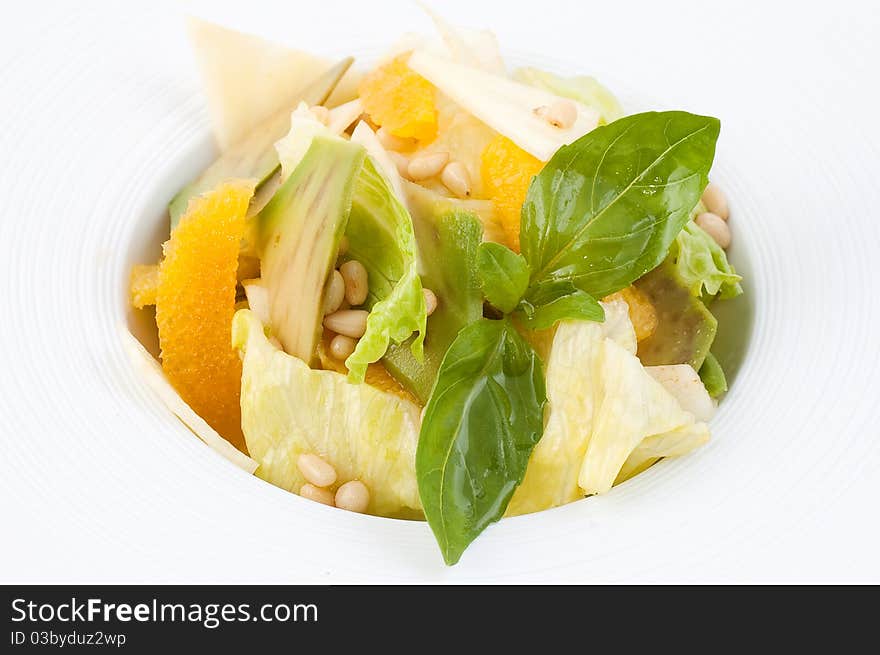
195 302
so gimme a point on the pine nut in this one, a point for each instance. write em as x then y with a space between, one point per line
341 347
353 496
562 113
355 277
323 496
322 114
430 301
315 470
401 162
456 178
350 322
391 142
429 165
716 201
334 292
715 227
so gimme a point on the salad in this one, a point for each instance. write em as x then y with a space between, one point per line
433 288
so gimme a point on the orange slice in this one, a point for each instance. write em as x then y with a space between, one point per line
400 100
507 170
195 302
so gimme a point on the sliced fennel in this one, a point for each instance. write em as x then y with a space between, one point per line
151 370
504 105
585 90
380 234
342 117
246 78
254 156
300 232
683 382
364 135
476 48
258 299
303 128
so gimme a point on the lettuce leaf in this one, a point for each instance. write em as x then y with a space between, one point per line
381 237
604 406
582 88
288 409
702 264
671 444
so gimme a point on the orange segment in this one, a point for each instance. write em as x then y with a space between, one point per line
641 311
195 303
507 171
400 100
143 285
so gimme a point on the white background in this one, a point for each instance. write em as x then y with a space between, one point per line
100 111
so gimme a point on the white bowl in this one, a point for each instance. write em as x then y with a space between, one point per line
104 485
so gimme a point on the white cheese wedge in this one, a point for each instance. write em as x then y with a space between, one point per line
246 78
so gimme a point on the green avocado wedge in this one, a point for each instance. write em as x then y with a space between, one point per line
255 157
685 327
447 238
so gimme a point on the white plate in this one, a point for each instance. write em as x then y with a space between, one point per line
102 118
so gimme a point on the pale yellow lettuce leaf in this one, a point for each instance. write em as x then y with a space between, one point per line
604 408
678 442
288 409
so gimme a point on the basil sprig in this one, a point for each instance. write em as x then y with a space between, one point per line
504 275
602 213
484 418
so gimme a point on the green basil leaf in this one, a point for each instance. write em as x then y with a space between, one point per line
606 208
504 275
484 418
547 304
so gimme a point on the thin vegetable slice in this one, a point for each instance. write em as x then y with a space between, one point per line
254 156
506 106
152 374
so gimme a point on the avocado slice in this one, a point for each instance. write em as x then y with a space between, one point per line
299 234
713 376
685 326
255 156
447 238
